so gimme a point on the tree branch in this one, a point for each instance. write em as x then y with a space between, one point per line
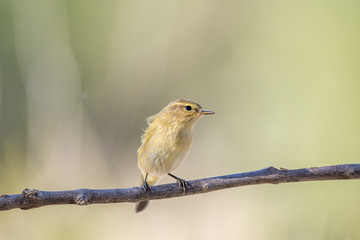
32 198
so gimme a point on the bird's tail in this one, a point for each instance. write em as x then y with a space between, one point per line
151 180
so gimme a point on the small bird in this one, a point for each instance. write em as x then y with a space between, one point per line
166 143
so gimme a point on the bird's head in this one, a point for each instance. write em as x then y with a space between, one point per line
183 112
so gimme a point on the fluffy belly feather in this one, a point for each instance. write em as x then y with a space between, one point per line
161 158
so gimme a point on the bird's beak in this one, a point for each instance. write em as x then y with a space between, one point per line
206 112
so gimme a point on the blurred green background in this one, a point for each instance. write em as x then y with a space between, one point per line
78 78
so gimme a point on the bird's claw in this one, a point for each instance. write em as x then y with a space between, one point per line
182 184
146 187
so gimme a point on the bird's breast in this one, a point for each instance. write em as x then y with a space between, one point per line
164 149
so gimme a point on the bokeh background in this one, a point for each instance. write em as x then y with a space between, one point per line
78 78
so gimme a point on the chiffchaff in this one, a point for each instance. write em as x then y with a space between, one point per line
166 142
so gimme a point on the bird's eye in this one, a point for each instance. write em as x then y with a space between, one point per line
188 108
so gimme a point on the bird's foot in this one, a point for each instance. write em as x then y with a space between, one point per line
183 184
146 187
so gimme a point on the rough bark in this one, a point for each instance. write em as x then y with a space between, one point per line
32 198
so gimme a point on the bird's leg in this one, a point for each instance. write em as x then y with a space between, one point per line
146 186
182 183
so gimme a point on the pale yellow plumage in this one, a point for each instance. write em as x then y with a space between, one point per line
167 140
